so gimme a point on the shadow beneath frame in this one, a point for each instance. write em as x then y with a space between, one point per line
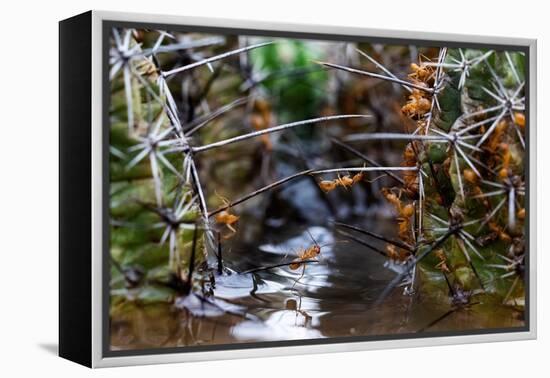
51 348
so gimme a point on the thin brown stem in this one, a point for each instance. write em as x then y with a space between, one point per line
365 157
260 191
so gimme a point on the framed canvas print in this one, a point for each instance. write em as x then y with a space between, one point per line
235 189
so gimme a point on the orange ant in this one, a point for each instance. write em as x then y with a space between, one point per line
506 156
521 214
470 176
473 179
261 119
263 107
409 155
346 181
328 185
421 72
404 212
225 217
304 254
258 123
498 230
494 140
357 178
519 119
417 105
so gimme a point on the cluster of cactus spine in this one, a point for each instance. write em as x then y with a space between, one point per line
468 143
159 212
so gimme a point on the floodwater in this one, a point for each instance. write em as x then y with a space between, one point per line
333 297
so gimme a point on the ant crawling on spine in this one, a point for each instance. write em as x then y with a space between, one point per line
345 182
226 218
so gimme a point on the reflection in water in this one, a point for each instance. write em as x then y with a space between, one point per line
334 297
